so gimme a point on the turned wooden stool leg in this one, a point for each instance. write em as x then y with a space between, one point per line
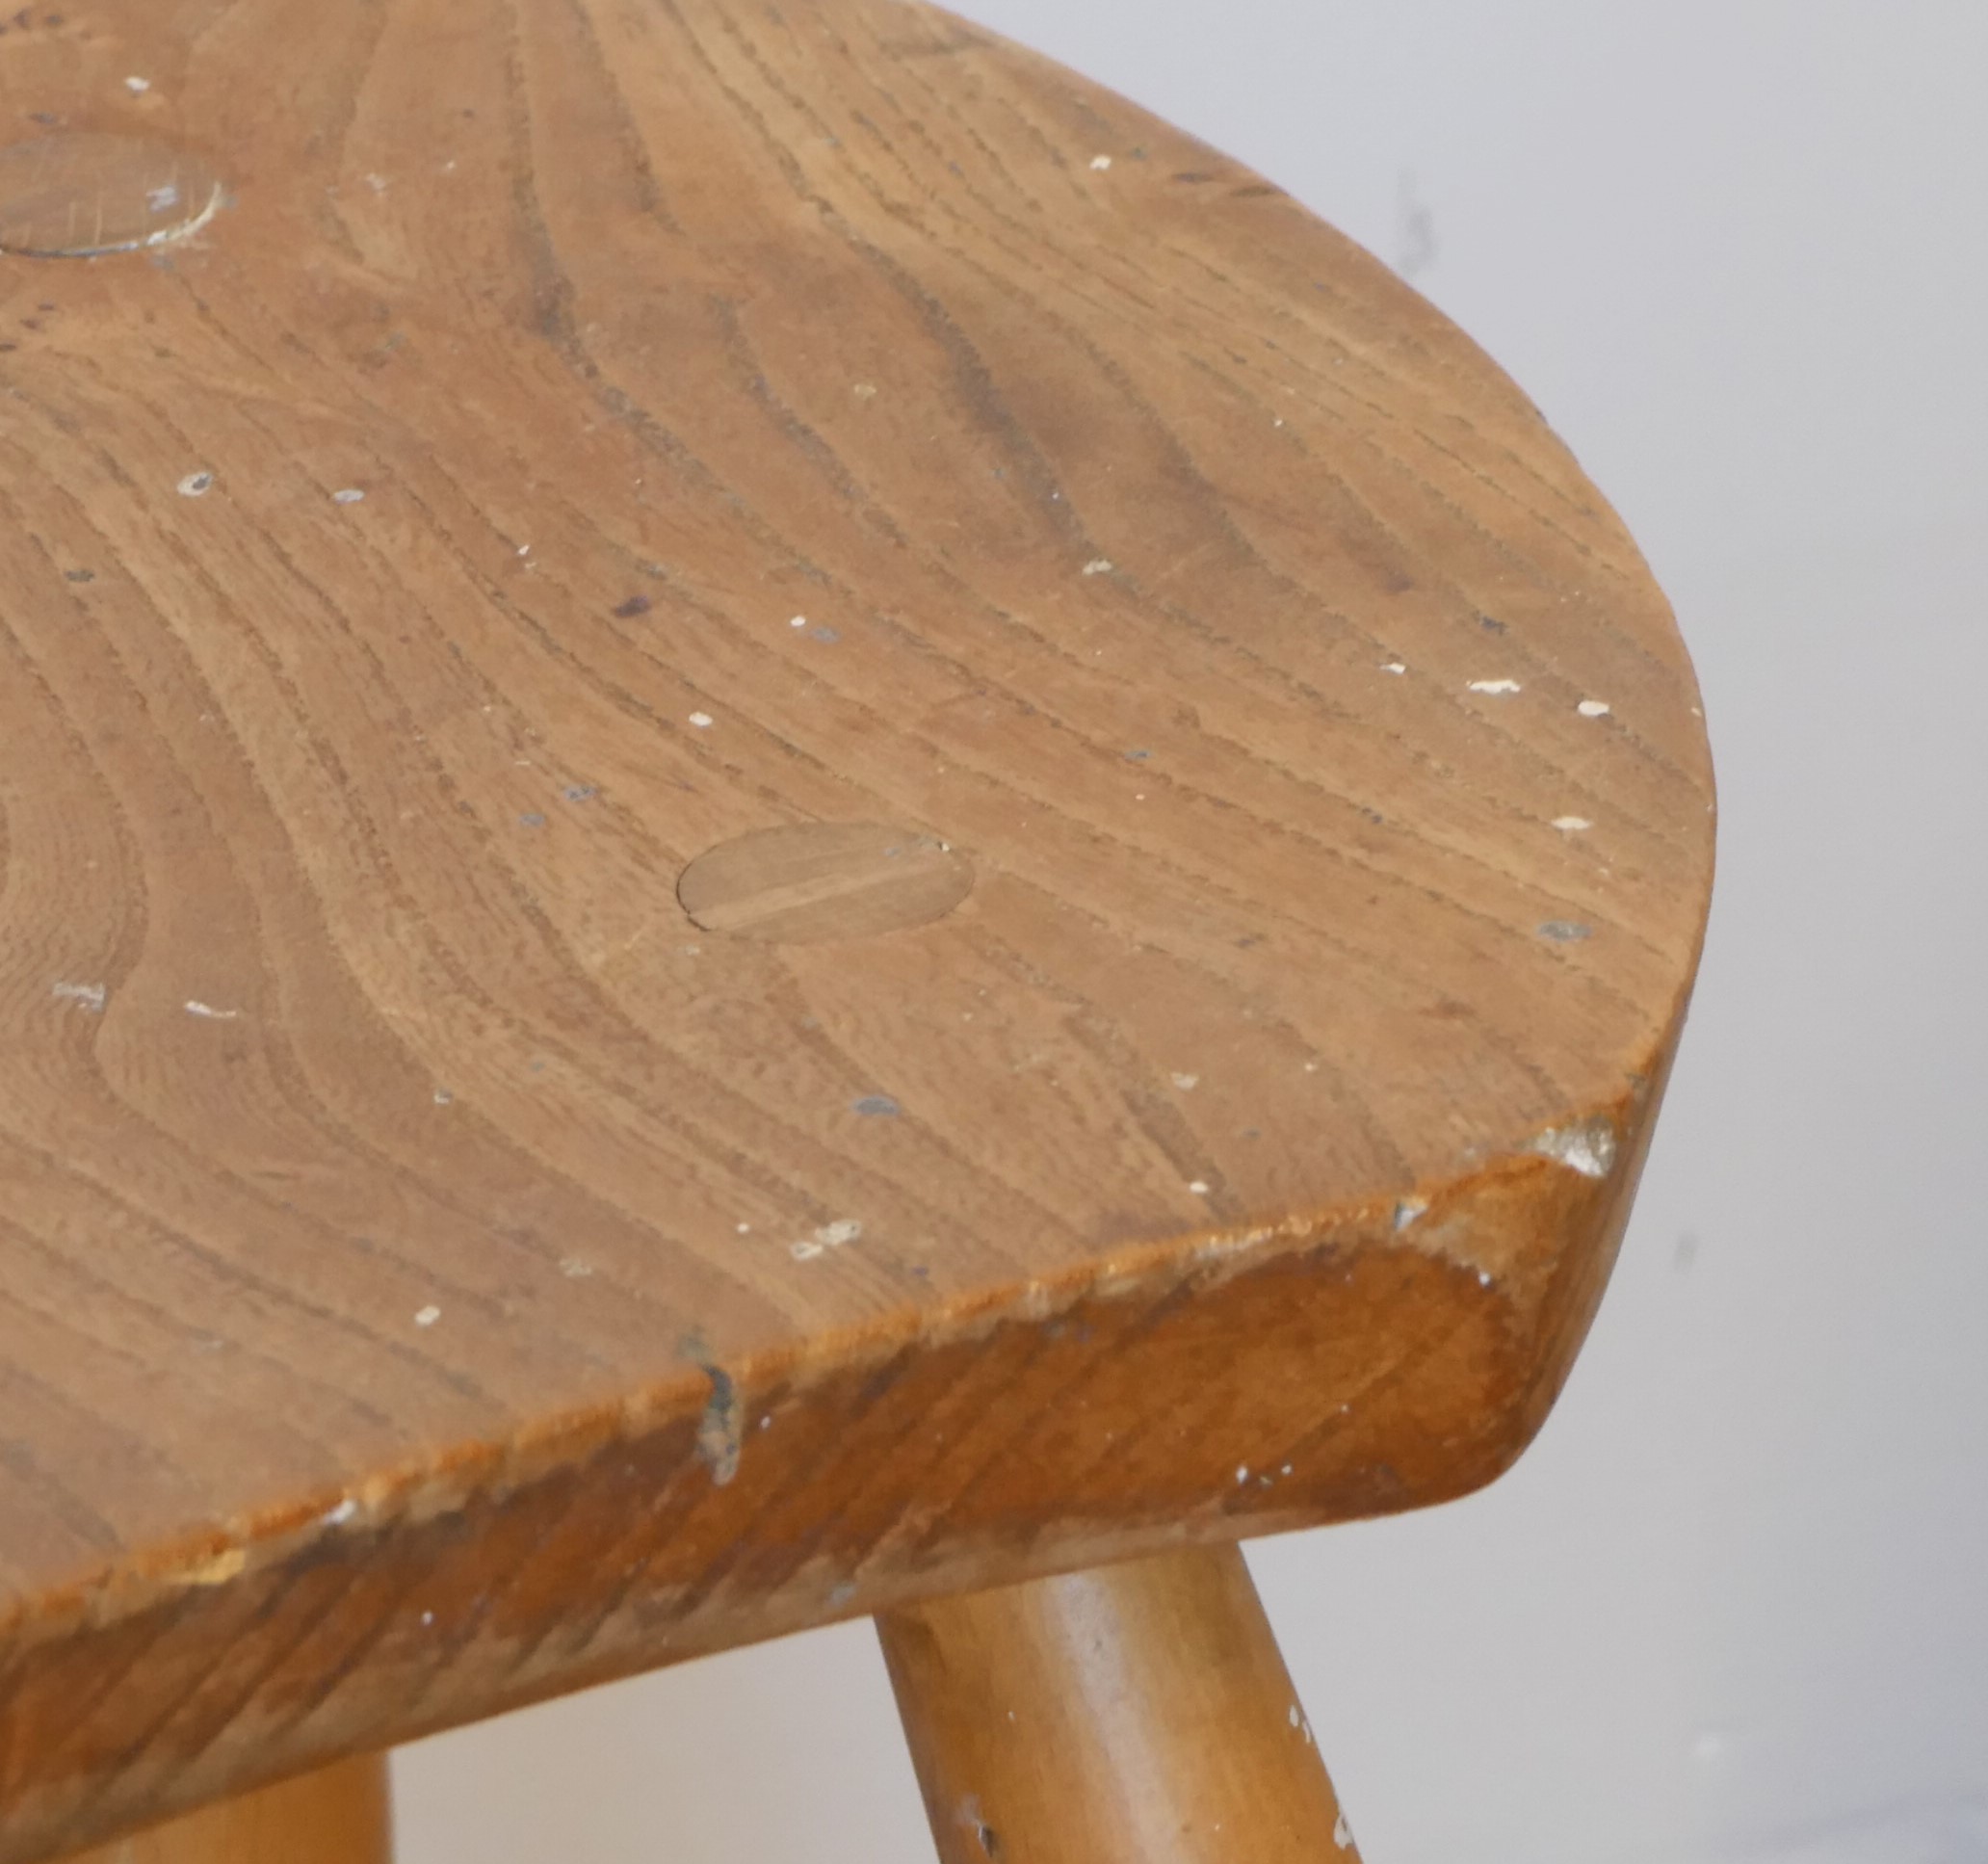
1135 1715
339 1815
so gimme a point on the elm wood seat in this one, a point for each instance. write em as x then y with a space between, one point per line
790 823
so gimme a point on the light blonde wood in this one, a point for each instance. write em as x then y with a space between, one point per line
434 1270
1138 1715
342 1815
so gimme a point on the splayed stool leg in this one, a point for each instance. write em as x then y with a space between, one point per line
1133 1715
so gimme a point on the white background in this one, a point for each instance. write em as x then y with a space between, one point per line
1735 1604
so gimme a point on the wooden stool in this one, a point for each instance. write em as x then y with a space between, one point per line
791 825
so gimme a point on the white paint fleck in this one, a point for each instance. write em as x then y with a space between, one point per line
1187 1083
160 199
377 182
830 1236
1572 825
743 1229
1311 1067
1295 1716
799 622
338 1516
1408 1211
427 1315
1242 1474
1395 667
703 721
196 484
1101 163
1287 1469
428 1617
1342 1834
1594 708
138 86
195 1008
1484 1277
865 391
1099 566
91 996
1588 1146
1496 686
1199 1187
443 1097
347 495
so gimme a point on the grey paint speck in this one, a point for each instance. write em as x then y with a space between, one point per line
717 1432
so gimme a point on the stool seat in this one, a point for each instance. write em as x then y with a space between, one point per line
789 819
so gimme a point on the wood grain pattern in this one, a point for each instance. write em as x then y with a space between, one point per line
342 1815
1141 1715
436 1273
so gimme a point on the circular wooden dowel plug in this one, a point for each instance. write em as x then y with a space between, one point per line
815 883
76 195
1137 1714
